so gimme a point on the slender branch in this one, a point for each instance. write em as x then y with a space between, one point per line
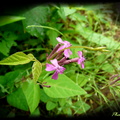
46 28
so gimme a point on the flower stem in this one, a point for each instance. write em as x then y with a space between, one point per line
90 48
47 27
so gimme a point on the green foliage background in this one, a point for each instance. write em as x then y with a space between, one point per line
34 32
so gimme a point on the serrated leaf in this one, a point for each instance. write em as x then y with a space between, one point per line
9 19
31 56
36 70
31 91
16 59
17 99
63 87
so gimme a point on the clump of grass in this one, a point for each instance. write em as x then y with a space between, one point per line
99 67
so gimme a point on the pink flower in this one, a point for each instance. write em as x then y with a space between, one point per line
55 66
66 44
81 59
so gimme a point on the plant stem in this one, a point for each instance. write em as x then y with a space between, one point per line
51 28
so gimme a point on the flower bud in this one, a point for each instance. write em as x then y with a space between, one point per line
53 51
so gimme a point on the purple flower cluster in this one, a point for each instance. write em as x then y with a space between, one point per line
61 58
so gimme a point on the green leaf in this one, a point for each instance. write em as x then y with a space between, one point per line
31 56
52 36
9 19
67 111
36 16
9 36
108 67
61 13
68 10
36 70
3 48
8 40
44 97
97 38
64 11
6 45
81 79
63 87
31 91
11 77
78 17
94 7
3 89
17 99
80 107
16 59
2 80
100 58
36 113
62 101
50 105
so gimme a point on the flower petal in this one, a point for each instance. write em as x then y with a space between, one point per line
67 53
50 67
82 65
54 62
67 44
70 52
59 40
79 53
79 61
55 76
61 69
